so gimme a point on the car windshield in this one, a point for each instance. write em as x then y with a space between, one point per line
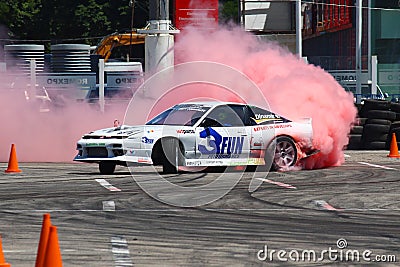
184 114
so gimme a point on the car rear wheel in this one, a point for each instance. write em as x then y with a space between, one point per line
107 167
285 153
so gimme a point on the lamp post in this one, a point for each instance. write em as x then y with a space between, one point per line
358 49
298 29
132 5
159 41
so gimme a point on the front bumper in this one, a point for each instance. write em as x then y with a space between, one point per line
96 151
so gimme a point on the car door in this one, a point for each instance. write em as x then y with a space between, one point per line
223 136
264 124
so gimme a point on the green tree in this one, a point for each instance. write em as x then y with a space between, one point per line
228 11
69 20
20 17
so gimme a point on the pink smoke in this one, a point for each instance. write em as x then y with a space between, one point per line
293 88
46 136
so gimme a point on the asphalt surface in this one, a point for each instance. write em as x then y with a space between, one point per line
113 222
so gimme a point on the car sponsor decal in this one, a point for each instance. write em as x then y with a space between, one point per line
147 140
192 107
143 160
269 127
221 146
261 118
185 131
95 144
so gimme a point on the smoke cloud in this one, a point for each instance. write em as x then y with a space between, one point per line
50 135
292 87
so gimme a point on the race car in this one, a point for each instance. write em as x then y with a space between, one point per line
206 134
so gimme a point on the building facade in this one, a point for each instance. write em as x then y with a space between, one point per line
329 37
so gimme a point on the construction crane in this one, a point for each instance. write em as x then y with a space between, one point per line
109 42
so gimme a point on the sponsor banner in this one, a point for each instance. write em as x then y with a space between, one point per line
62 80
203 13
389 77
115 79
348 77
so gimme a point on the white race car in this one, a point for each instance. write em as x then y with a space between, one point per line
205 134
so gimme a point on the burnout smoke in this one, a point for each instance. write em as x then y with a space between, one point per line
292 87
50 135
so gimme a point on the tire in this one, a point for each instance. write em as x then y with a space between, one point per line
360 121
397 116
375 104
376 129
358 106
354 142
395 107
394 125
375 132
378 121
357 129
375 145
374 137
381 114
285 154
107 167
172 155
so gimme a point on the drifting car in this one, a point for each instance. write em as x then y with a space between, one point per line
198 134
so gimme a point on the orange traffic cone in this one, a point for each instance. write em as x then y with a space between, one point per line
394 150
13 162
44 237
52 257
2 260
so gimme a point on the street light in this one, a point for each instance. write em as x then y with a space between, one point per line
132 5
298 29
358 49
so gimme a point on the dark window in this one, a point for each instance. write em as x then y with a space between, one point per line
229 116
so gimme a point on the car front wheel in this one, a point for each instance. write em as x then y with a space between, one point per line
107 167
173 155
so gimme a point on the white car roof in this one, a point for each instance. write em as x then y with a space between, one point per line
210 103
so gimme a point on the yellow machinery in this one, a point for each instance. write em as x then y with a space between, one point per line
108 43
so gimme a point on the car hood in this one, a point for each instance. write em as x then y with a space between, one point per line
115 132
125 131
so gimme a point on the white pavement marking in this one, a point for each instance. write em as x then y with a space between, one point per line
120 250
347 156
376 166
109 205
107 185
277 183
